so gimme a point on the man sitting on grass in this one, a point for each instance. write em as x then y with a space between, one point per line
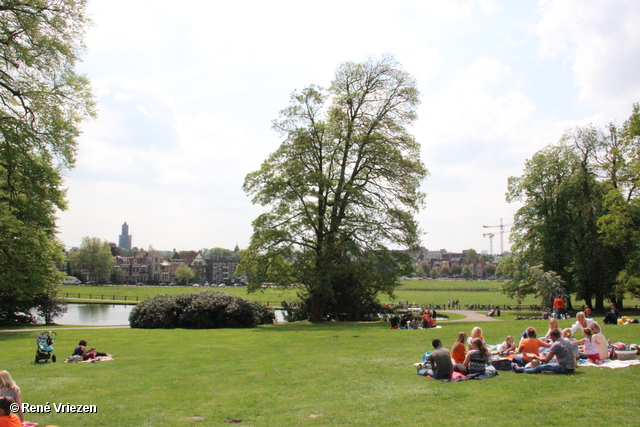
440 358
562 349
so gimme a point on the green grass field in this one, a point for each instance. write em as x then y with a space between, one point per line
301 374
425 292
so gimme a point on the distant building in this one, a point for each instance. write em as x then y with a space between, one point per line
125 237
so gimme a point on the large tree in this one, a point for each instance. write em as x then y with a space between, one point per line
42 102
343 185
580 216
94 257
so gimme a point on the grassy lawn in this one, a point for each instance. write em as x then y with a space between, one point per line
302 374
425 292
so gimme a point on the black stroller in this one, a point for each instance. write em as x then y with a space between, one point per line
45 349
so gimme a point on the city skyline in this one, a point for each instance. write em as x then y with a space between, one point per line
186 101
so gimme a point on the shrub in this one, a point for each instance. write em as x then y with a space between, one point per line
202 310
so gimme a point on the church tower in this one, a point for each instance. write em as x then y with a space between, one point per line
125 237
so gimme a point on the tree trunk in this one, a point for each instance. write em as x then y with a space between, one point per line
316 314
599 303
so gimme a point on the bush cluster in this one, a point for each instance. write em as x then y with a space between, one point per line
202 310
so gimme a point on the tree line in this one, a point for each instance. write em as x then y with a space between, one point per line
578 231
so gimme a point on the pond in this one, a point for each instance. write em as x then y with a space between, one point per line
95 315
106 315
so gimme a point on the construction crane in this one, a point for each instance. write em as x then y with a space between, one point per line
502 227
490 241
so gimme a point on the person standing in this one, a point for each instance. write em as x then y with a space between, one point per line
440 359
558 308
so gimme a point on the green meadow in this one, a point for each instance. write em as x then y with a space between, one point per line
422 292
302 374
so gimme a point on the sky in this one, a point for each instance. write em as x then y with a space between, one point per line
186 94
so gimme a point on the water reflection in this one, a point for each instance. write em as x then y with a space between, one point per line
95 315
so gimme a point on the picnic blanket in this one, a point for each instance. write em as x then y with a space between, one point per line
613 364
78 359
457 376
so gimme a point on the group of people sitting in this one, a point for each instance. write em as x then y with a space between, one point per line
556 352
423 319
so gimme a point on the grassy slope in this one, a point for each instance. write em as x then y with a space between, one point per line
303 374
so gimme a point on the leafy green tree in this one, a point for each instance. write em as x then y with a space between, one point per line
185 273
466 272
49 306
472 254
490 270
580 214
426 267
94 256
445 272
217 253
456 269
344 184
42 103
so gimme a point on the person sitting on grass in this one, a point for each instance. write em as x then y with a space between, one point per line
601 341
553 324
612 316
440 359
476 332
561 349
459 351
7 418
581 322
81 350
477 358
8 388
590 348
529 347
508 346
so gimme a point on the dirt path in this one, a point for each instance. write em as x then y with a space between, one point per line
472 316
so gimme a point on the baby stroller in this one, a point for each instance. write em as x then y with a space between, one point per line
45 349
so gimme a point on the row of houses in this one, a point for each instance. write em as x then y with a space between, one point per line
152 268
441 259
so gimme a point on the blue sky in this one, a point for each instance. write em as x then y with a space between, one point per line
186 95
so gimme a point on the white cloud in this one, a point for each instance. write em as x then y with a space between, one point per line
186 97
602 41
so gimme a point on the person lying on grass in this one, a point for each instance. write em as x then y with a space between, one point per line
561 349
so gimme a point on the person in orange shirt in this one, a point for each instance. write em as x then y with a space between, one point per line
558 308
529 347
7 418
459 350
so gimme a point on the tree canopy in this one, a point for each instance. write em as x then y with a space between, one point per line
42 102
95 257
581 214
343 185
